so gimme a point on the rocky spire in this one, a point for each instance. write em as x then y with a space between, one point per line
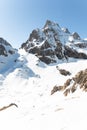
50 24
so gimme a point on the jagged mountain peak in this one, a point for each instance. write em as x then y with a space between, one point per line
53 43
76 36
50 23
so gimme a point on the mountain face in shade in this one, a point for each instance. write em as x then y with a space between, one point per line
53 43
5 48
8 56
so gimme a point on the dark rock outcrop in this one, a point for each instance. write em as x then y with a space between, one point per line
76 36
71 85
4 42
69 52
81 45
5 48
63 71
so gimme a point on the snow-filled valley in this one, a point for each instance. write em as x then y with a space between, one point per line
29 86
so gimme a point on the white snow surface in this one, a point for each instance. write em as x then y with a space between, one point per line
29 85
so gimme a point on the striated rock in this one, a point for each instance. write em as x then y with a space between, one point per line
66 92
71 85
73 88
56 88
67 83
81 78
73 53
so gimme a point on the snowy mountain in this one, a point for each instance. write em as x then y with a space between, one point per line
8 55
5 48
53 43
35 93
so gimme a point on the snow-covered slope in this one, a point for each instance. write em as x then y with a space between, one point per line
29 86
38 96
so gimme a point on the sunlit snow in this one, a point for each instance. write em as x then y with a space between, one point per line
29 85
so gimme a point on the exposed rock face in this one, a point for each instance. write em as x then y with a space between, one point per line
70 52
4 42
71 85
76 36
50 43
63 71
2 50
5 48
81 45
45 43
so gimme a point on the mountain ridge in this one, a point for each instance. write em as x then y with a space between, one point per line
52 43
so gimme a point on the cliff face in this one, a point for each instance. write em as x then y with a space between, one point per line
8 56
6 48
53 43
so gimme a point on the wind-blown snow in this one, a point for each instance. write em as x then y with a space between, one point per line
29 85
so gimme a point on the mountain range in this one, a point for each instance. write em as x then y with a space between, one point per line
43 84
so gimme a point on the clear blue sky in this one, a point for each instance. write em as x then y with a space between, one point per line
19 17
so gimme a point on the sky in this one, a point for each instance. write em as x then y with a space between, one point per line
19 17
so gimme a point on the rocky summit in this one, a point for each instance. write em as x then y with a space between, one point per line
53 43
